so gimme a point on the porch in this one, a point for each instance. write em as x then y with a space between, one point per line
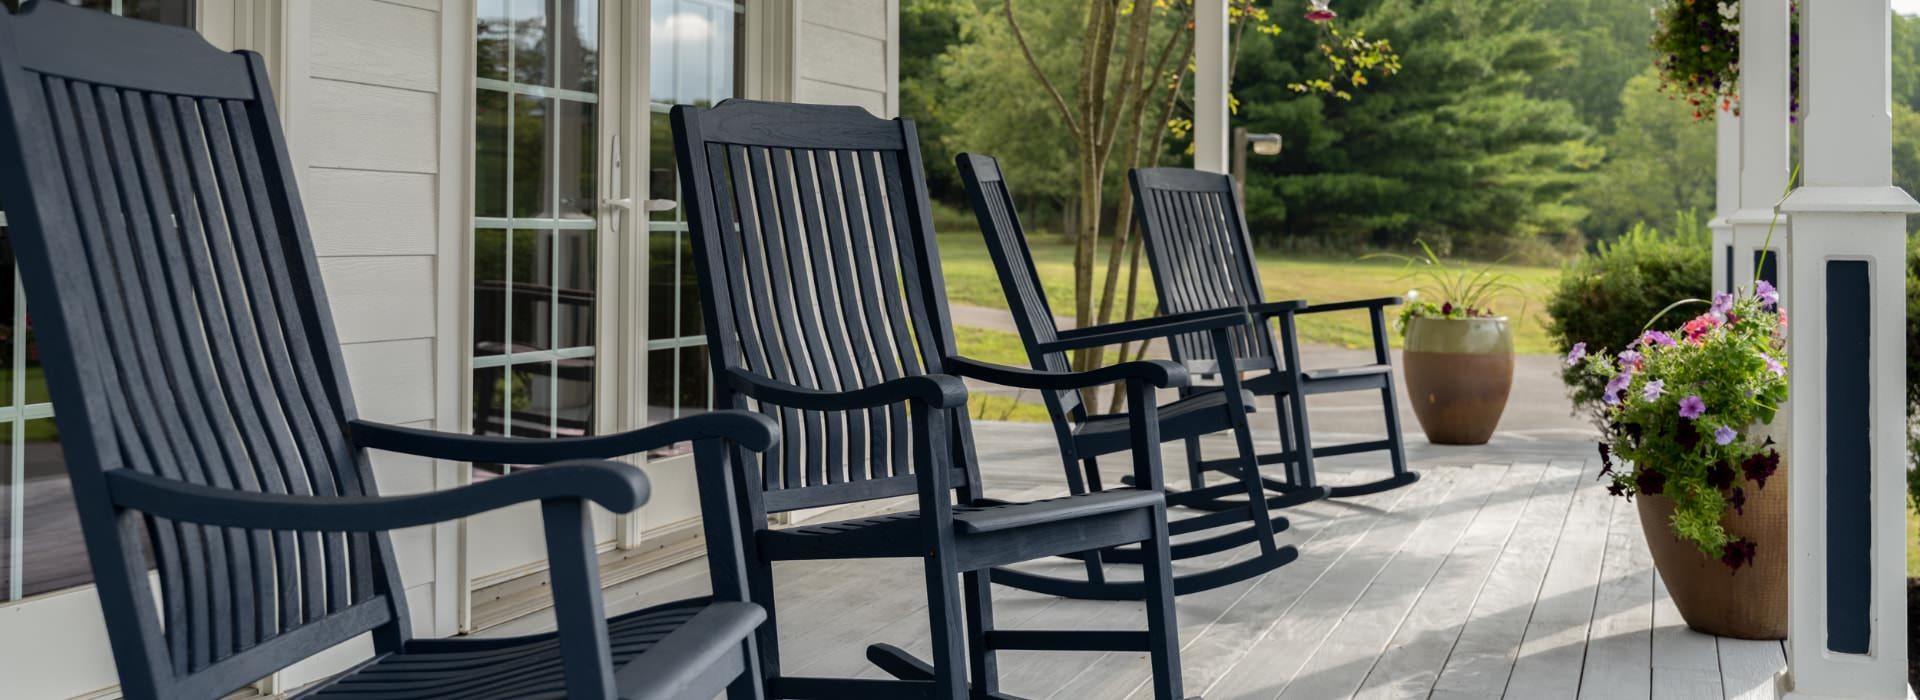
1506 571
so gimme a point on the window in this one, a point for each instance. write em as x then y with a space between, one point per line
535 218
697 59
41 549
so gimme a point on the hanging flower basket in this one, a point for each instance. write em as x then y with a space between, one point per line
1697 52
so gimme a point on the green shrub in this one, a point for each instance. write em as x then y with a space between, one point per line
1605 298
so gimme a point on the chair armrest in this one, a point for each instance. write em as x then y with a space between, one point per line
932 390
1146 329
678 664
1378 303
1157 373
1271 309
745 428
618 487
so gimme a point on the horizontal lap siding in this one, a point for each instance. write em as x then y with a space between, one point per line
370 133
847 54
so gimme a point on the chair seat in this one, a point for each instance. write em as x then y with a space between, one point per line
1322 381
1193 416
900 534
698 629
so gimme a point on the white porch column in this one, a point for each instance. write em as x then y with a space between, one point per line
1210 85
1847 452
1726 197
1764 137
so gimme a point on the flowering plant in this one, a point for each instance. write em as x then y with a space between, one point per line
1679 407
1698 47
1463 293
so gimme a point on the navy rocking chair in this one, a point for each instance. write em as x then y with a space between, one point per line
826 309
1085 436
208 426
1201 258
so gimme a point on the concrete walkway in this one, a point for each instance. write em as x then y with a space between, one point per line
1538 408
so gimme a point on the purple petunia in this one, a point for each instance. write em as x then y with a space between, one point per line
1775 367
1722 303
1573 356
1724 435
1630 360
1692 406
1614 386
1657 338
1769 297
1653 390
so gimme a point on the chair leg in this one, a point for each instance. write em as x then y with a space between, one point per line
1162 628
984 666
947 626
1196 476
1092 468
767 638
1283 419
1303 439
1396 448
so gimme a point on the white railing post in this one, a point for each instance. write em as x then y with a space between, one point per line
1847 451
1726 197
1210 85
1765 104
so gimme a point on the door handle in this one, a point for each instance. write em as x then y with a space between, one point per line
623 203
660 205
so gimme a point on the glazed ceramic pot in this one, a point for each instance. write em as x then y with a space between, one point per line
1459 372
1748 603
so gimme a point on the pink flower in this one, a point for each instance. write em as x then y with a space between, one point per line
1699 327
1692 406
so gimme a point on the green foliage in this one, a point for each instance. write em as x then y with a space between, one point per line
1450 291
1679 409
1453 149
1698 47
1605 299
927 29
1658 162
1606 44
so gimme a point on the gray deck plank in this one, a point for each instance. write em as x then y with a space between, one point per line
1554 649
1620 641
1686 664
1483 658
1341 664
1419 650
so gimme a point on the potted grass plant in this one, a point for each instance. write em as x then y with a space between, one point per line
1458 352
1687 437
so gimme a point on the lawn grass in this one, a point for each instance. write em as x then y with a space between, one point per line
971 280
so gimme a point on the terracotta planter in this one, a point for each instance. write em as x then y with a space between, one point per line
1747 604
1459 372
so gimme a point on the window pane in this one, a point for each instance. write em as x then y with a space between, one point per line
490 153
580 46
494 43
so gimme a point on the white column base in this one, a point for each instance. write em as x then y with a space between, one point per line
1751 231
1857 236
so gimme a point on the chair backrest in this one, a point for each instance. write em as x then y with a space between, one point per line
1006 240
818 268
185 334
1201 257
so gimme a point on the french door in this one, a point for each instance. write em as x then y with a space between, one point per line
548 202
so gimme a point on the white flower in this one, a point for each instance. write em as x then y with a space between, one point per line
1413 295
1730 10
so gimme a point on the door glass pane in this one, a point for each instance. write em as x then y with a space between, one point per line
696 59
40 543
536 195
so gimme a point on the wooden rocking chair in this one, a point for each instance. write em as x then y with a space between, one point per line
207 422
1085 436
826 309
1197 246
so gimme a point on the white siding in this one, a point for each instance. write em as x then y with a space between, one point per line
849 54
367 120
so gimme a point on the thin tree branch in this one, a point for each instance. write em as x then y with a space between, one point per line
1059 101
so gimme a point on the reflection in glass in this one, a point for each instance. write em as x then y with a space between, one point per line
536 199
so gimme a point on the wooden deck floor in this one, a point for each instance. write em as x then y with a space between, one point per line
1506 572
